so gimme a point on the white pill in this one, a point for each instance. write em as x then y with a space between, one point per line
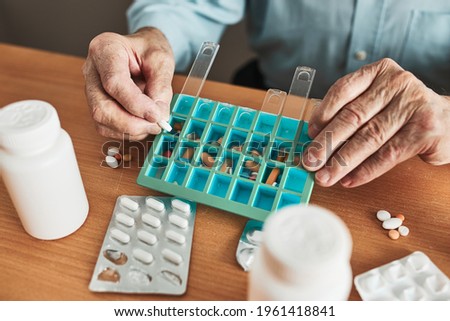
143 256
383 215
179 221
176 237
111 161
120 236
181 206
151 220
392 223
403 230
155 204
171 256
112 150
147 237
129 204
165 125
125 219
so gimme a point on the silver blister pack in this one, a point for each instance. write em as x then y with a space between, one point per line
250 240
147 246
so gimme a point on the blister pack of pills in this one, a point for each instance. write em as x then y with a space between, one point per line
412 278
250 239
147 246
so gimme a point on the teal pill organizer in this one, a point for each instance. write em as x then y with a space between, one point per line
238 159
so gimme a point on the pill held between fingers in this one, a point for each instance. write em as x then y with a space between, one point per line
125 219
165 125
129 204
403 230
111 161
113 150
400 216
179 221
120 236
143 256
176 237
392 223
172 256
154 204
394 234
151 220
383 215
147 237
181 206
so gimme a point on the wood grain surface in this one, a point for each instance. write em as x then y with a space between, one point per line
32 269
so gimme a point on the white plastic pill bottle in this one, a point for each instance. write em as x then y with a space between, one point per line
40 171
304 255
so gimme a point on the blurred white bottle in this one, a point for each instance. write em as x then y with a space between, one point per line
40 171
304 255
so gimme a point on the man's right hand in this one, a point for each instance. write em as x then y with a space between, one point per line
129 83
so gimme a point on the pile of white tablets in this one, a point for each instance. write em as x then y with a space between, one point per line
147 246
393 224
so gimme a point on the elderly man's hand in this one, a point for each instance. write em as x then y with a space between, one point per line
373 119
129 82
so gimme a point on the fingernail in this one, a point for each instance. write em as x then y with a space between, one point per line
346 181
323 176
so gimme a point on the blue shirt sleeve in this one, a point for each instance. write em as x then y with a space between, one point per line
186 24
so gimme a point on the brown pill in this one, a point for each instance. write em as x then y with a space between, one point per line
273 176
127 157
167 153
188 153
118 157
178 126
252 165
394 234
400 216
226 164
207 159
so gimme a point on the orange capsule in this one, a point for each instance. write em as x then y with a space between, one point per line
400 216
394 234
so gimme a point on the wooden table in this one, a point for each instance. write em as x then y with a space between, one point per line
32 269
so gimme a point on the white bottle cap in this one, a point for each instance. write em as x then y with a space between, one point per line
29 126
301 241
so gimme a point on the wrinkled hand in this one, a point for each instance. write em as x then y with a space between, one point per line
128 82
373 119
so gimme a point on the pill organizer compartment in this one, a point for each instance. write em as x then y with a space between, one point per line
218 130
412 278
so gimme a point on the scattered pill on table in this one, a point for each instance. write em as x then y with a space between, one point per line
392 223
111 161
383 215
127 157
113 150
403 230
394 234
400 216
118 156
